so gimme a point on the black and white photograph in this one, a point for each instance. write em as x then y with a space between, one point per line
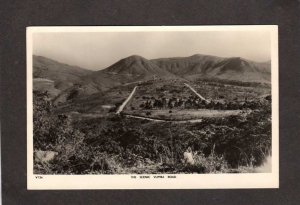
127 107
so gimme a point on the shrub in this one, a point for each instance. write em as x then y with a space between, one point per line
211 164
56 133
112 144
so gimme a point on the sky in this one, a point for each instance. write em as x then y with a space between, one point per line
98 50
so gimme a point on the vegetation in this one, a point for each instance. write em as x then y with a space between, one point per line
116 144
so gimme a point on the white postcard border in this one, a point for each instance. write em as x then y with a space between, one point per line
181 181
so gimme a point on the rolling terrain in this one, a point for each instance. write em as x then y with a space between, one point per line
72 83
124 118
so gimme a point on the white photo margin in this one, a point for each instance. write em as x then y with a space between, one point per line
182 181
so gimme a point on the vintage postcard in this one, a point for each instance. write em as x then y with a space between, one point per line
152 107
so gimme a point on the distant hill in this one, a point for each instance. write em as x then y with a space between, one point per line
63 75
204 66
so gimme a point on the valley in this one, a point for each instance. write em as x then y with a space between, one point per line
146 113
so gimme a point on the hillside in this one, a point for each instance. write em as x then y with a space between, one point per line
203 66
71 82
63 75
136 68
43 84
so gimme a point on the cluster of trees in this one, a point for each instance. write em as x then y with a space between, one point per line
169 103
193 102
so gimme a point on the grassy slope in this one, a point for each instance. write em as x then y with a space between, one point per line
62 74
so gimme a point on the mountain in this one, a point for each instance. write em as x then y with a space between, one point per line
136 66
131 69
63 75
204 66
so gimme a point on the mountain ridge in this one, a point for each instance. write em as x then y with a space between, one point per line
210 67
73 79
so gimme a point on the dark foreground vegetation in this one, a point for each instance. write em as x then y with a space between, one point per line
116 144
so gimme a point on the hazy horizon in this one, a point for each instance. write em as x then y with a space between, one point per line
98 50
